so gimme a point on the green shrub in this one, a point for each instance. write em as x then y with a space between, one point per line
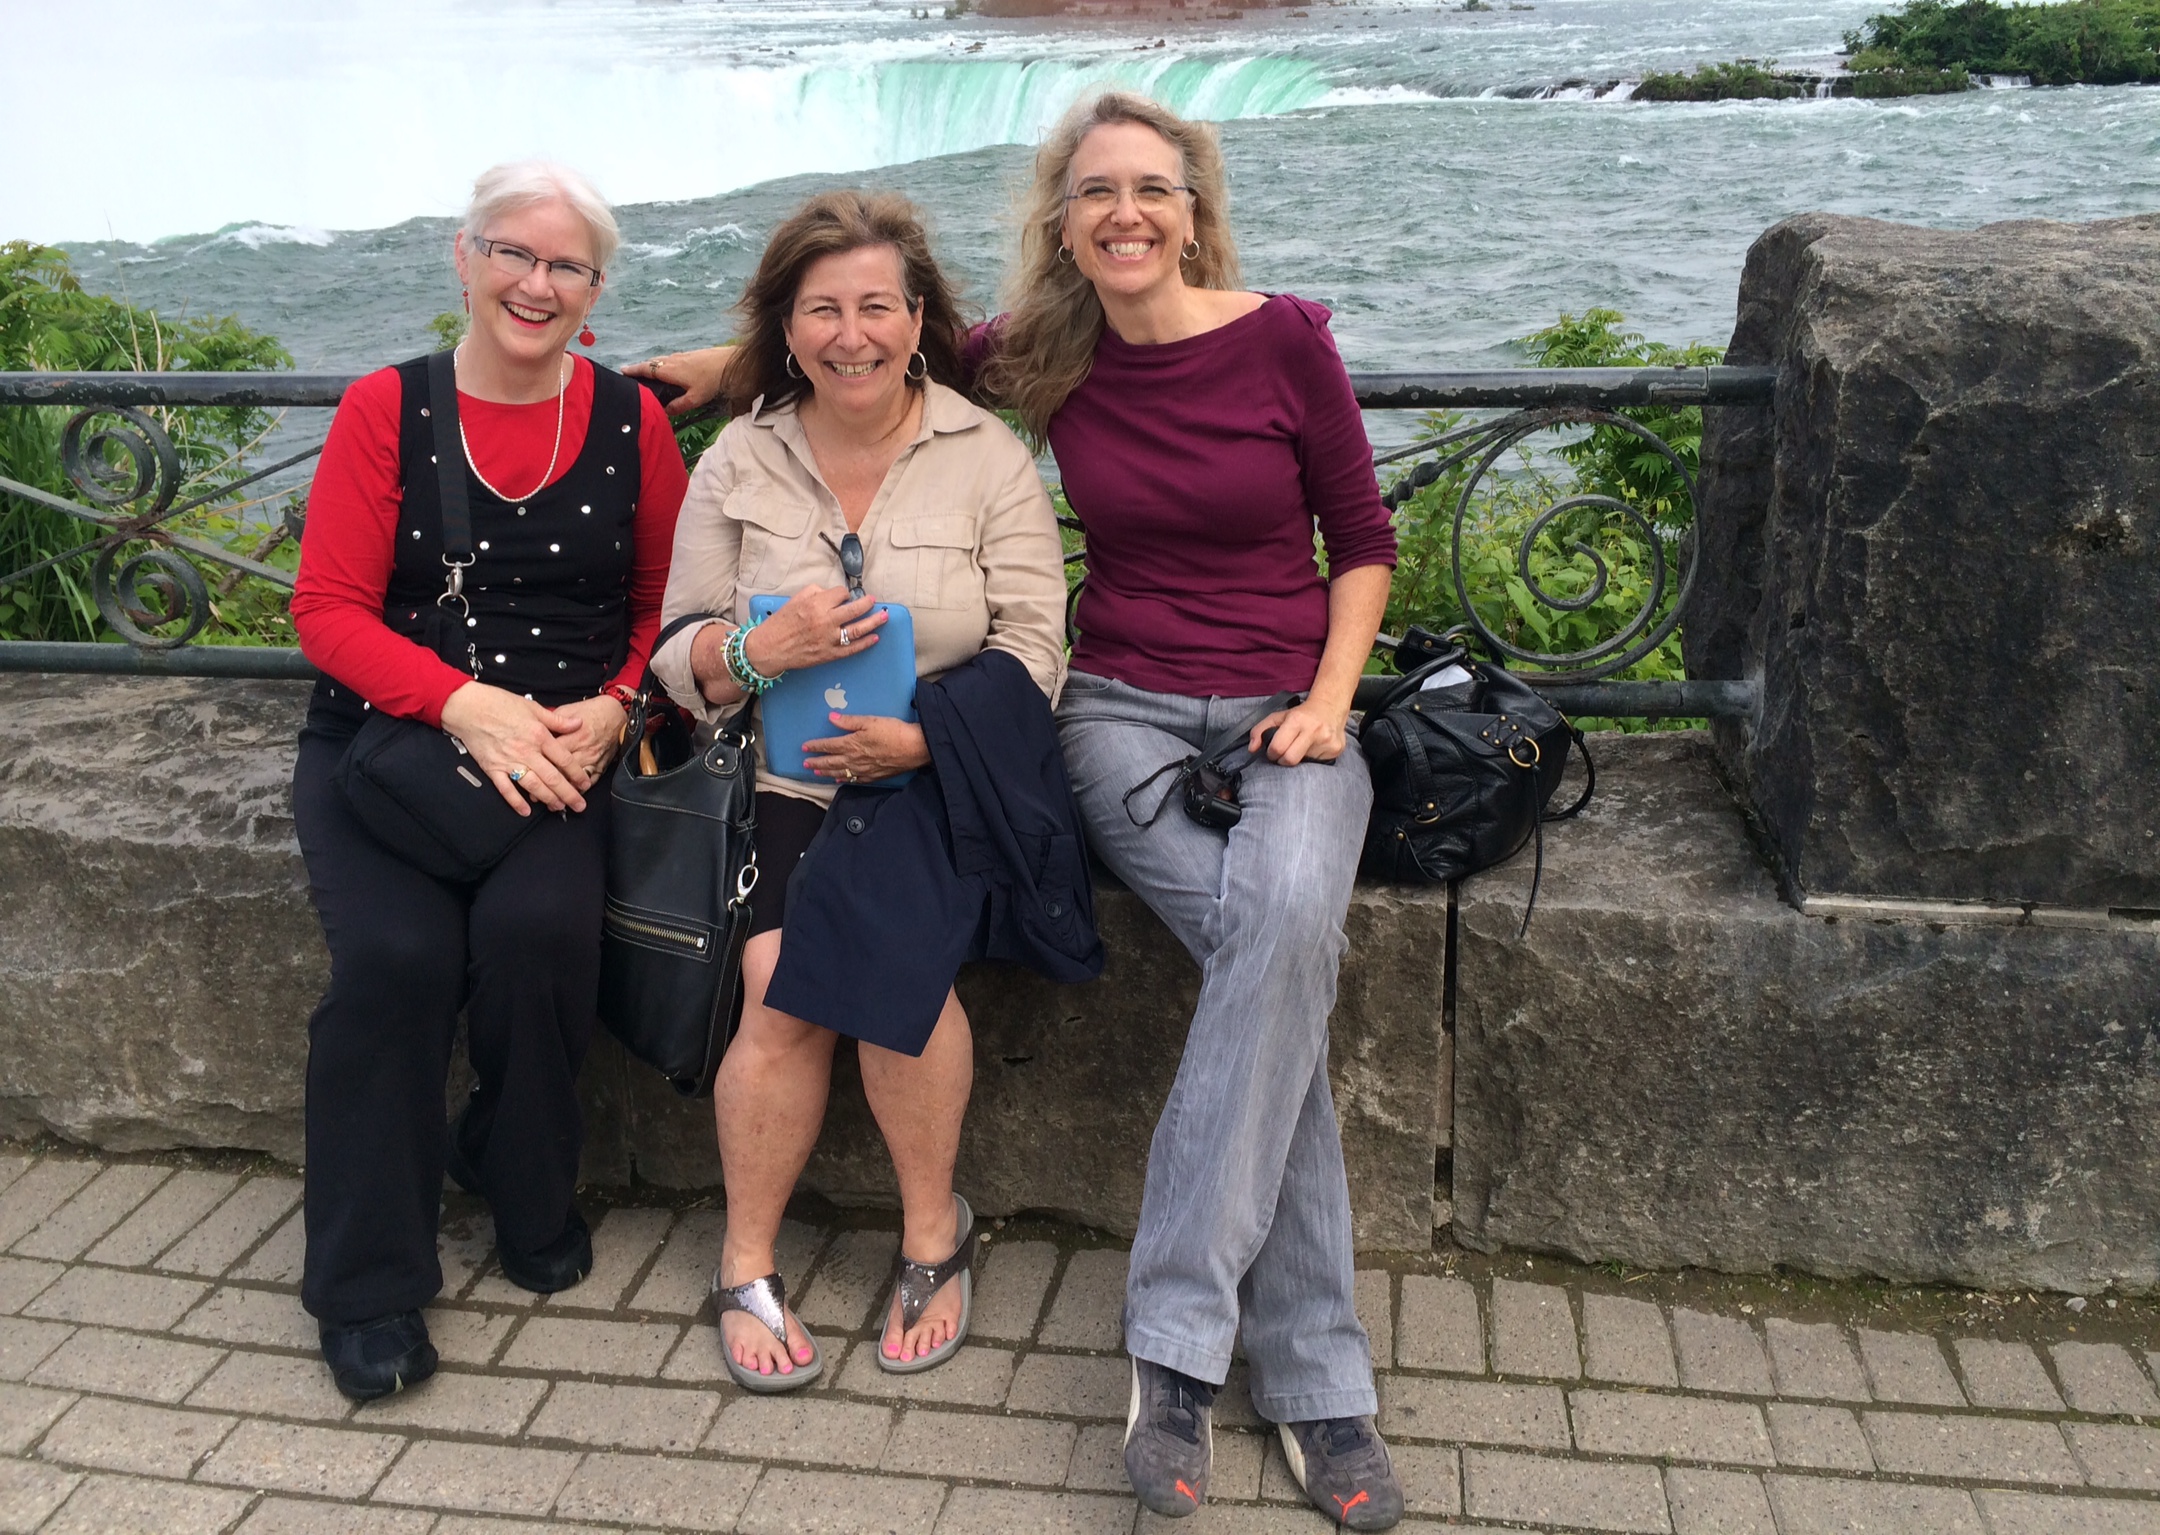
1605 461
48 322
1740 80
1883 84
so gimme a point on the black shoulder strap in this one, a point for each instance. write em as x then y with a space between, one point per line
1217 751
450 462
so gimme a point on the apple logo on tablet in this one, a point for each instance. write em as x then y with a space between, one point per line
836 697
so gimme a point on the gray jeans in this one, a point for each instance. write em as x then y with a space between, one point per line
1246 1209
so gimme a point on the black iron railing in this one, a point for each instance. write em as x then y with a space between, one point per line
148 585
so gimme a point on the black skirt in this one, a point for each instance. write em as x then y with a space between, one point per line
785 827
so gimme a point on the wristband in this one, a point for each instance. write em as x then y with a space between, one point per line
737 656
622 693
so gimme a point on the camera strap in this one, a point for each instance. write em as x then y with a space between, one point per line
1212 758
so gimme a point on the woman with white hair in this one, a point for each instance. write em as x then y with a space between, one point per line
526 655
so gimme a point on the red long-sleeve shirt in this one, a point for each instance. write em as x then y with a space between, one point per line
347 552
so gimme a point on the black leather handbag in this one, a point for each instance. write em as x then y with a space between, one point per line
414 786
682 861
1463 767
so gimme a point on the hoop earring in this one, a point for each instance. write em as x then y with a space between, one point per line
789 366
920 371
1191 252
1065 255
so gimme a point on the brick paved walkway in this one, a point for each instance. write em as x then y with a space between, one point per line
160 1376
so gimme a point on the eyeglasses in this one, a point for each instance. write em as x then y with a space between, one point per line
1100 197
517 259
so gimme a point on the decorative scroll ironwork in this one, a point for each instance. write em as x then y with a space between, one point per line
148 585
123 463
1671 570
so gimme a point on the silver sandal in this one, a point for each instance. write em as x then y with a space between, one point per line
917 1285
765 1299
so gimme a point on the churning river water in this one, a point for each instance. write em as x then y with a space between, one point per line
1447 181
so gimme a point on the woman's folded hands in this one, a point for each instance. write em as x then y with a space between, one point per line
526 749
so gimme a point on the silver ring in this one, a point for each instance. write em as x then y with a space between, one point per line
845 637
517 775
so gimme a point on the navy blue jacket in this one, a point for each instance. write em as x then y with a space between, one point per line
982 856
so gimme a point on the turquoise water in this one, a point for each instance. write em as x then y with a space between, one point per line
1442 180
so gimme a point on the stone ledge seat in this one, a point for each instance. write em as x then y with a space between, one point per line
1676 1066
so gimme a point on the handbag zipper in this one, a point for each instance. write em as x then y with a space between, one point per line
673 935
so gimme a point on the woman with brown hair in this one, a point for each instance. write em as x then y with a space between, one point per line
850 455
1204 433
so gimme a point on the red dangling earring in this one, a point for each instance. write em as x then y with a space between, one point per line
466 295
585 336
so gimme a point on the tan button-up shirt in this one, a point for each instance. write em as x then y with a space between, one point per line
961 533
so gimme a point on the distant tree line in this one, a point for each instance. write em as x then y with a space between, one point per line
1930 47
2075 42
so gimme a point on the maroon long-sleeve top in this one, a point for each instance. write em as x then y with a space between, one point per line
1201 469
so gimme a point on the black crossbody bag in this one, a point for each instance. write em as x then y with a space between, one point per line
682 861
412 785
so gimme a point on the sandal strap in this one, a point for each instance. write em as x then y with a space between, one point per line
918 1283
764 1298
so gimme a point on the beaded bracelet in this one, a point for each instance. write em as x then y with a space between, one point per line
737 657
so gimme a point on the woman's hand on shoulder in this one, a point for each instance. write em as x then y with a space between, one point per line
507 733
1311 732
697 374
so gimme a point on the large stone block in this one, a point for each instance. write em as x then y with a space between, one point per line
160 958
1676 1067
1939 555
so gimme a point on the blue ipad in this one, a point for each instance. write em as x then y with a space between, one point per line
876 680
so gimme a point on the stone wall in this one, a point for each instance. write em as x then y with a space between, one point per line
1939 555
160 958
1677 1068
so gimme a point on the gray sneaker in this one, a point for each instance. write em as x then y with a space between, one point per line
1345 1471
1169 1438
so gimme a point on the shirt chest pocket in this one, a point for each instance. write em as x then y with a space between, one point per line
773 526
936 555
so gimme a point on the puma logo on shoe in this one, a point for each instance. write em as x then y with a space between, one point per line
1181 1487
1362 1497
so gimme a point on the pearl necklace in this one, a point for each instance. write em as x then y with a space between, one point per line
562 391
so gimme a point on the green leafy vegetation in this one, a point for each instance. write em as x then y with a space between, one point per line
1740 80
2075 42
1608 461
48 322
1883 83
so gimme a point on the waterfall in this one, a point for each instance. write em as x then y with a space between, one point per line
914 109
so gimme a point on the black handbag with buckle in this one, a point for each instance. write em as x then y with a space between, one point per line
412 785
682 861
1464 757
